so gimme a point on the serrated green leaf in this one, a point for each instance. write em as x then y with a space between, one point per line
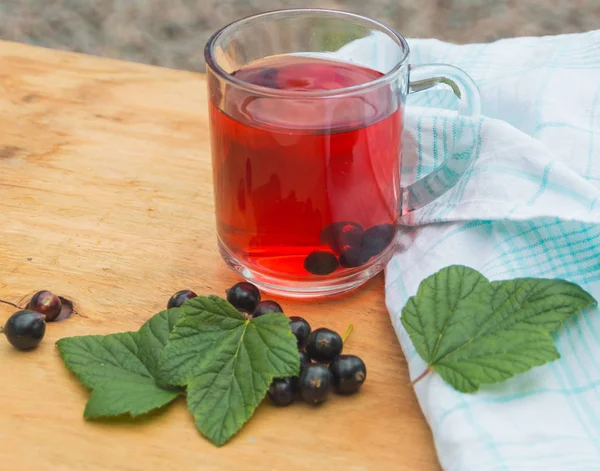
227 362
474 332
109 365
135 398
119 368
154 335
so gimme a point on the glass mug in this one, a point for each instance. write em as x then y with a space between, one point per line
306 143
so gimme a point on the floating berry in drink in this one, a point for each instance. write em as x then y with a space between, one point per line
352 257
342 235
267 77
376 239
321 263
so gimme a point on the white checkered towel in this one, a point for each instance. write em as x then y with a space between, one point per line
529 206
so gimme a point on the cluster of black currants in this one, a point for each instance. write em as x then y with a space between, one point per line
352 246
26 328
322 366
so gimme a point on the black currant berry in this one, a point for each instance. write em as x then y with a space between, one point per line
349 373
301 329
341 235
304 360
268 78
315 383
352 257
25 329
244 296
180 297
376 239
264 307
324 345
45 303
282 391
320 263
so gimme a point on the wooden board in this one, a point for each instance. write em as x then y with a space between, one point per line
106 197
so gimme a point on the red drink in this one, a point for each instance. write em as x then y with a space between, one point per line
300 173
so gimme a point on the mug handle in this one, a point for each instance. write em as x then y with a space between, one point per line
437 76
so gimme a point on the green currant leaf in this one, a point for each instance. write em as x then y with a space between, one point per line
154 335
474 332
119 368
227 362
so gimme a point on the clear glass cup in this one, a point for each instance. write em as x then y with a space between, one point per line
306 142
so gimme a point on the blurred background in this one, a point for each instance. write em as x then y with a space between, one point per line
172 33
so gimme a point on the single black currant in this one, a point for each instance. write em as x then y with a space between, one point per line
264 307
180 297
267 78
320 263
244 296
282 391
352 257
301 329
341 235
304 360
25 329
349 373
45 303
324 345
376 239
315 383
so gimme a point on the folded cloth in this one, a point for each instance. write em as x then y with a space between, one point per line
528 207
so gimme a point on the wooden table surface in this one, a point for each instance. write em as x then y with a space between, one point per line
106 198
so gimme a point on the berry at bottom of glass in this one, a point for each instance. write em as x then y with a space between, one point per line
306 188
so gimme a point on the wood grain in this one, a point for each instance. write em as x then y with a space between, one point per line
106 198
